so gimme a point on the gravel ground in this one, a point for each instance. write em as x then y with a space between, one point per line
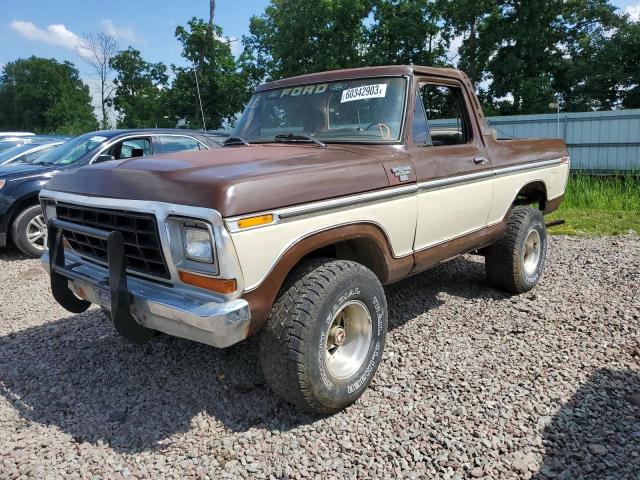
474 383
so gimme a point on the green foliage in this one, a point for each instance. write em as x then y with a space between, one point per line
599 205
466 19
224 87
590 221
406 31
603 192
141 95
44 95
523 53
294 37
612 77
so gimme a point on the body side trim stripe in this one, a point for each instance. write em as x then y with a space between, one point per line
445 182
325 206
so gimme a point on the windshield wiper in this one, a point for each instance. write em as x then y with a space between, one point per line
290 137
46 164
235 141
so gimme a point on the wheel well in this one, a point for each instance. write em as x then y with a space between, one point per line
19 206
532 193
362 250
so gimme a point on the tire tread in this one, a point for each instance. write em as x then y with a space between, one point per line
285 338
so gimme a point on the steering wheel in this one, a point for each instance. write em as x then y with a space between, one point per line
383 129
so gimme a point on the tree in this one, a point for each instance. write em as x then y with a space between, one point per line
97 53
405 32
141 95
466 18
610 77
294 37
44 96
531 50
224 87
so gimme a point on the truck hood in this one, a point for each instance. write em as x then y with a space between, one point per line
239 179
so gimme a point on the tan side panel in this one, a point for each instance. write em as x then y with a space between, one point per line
260 248
452 211
506 187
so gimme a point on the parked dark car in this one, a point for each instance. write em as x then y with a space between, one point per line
7 142
21 218
27 153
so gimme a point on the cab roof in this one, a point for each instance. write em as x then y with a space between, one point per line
351 73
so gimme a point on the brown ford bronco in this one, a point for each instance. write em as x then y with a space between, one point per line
332 185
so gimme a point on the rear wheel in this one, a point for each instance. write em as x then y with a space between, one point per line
324 338
29 231
516 261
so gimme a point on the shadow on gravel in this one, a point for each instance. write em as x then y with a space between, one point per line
461 277
12 254
596 434
77 374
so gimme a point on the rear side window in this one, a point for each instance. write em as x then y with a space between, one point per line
171 144
447 119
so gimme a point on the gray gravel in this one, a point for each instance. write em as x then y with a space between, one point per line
474 383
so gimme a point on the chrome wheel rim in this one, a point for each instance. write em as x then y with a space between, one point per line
531 254
37 231
348 340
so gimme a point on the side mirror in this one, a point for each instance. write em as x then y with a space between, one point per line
104 158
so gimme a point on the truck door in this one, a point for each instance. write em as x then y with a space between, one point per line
453 169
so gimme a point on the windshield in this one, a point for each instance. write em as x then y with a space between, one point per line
12 152
71 151
362 111
7 144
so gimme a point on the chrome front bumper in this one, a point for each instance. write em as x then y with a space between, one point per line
177 312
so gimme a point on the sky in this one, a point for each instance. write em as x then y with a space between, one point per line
54 28
49 28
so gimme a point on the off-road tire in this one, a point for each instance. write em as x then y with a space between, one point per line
19 231
292 344
504 260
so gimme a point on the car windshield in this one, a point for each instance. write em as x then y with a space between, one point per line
71 151
7 144
367 110
12 152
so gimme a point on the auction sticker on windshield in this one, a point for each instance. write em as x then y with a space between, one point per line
364 92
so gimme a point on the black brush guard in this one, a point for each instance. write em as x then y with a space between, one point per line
116 282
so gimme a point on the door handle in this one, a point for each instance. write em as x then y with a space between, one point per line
480 160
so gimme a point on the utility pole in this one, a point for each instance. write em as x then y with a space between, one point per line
199 68
556 105
195 74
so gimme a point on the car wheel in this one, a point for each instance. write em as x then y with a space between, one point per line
516 261
325 336
29 231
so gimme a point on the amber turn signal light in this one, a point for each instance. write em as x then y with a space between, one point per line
220 285
255 221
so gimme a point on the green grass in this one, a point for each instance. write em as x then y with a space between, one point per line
599 205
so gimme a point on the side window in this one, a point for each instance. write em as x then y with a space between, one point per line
448 122
171 144
30 157
420 131
130 148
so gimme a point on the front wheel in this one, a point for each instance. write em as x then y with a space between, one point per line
29 231
325 336
516 261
